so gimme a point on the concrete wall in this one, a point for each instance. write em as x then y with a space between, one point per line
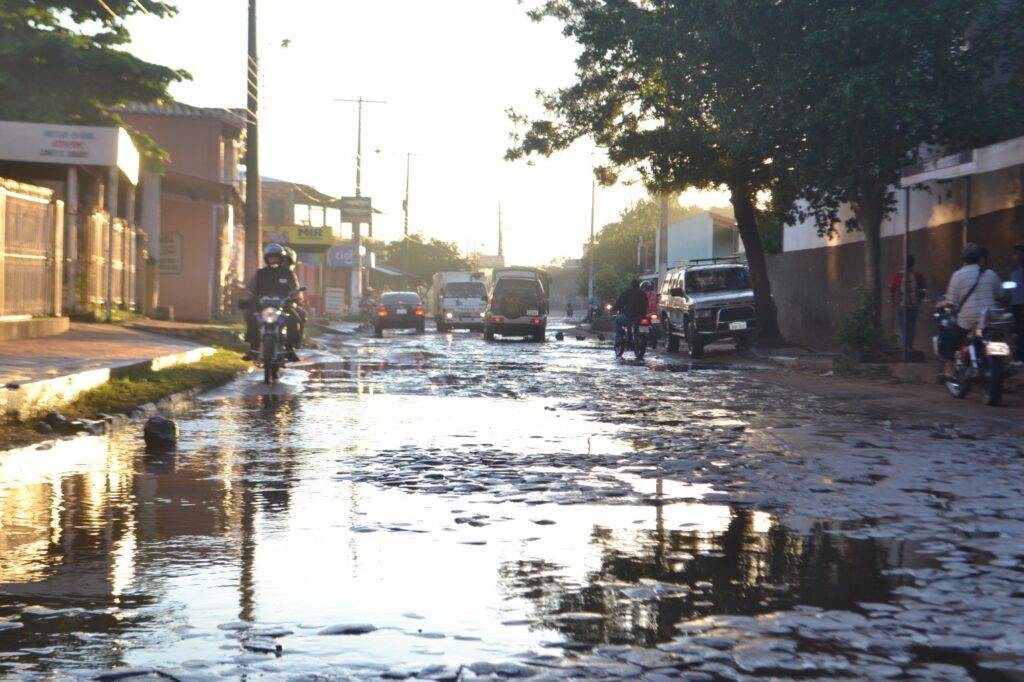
188 292
814 288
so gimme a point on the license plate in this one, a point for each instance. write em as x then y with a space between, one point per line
533 312
401 311
645 330
737 325
997 348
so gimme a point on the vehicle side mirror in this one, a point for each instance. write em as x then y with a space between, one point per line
675 291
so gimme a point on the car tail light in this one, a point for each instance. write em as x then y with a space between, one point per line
536 320
644 322
382 312
419 310
498 318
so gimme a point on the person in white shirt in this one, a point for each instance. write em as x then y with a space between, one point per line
972 290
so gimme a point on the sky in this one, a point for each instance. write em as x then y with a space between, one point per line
447 71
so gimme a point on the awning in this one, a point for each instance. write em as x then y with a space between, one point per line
391 272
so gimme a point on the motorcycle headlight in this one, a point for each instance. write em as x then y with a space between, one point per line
270 315
448 314
705 313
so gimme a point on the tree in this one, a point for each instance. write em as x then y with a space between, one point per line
681 90
615 246
60 62
883 82
423 259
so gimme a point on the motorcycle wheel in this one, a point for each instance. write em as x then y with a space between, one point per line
640 347
693 342
992 382
268 352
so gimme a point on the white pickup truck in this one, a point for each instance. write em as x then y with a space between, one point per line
457 299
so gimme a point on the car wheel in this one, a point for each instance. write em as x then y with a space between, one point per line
421 327
671 340
488 334
538 336
378 332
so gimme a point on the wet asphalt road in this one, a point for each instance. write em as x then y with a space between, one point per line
437 507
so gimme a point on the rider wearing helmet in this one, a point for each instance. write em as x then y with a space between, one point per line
289 259
274 279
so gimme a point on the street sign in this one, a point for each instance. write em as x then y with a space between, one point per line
356 210
340 256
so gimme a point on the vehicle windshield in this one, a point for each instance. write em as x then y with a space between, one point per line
400 297
717 279
465 289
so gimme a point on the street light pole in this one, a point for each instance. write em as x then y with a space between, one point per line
356 293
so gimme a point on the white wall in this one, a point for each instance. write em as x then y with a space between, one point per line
691 238
933 203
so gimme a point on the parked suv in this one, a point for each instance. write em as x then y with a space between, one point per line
704 301
517 307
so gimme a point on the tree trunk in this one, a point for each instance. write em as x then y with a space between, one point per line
742 200
868 210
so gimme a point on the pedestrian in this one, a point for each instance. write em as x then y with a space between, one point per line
568 308
1017 299
906 311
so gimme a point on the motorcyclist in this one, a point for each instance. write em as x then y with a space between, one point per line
274 279
652 308
367 306
289 259
631 306
972 290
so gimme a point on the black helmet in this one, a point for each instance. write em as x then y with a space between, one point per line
646 286
273 250
290 258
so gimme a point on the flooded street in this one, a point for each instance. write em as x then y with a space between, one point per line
438 507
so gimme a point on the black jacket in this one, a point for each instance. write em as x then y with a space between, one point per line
279 281
632 303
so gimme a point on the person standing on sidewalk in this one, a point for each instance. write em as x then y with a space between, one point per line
906 314
1017 299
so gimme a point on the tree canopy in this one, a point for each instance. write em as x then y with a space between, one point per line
423 258
615 246
821 102
60 62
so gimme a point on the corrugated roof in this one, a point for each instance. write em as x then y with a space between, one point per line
234 117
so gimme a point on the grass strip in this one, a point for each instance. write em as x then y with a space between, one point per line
125 394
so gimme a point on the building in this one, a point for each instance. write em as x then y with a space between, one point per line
711 234
194 210
85 179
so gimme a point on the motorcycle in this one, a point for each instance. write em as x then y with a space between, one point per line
638 336
272 319
983 357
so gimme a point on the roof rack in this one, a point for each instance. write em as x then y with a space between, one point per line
698 261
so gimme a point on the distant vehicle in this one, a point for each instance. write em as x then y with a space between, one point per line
399 310
707 300
457 299
518 305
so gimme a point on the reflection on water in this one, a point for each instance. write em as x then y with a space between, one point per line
112 557
647 583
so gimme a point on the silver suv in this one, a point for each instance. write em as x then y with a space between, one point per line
707 300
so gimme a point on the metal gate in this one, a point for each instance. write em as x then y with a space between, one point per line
31 250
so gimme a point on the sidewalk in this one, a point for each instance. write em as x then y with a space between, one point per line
45 373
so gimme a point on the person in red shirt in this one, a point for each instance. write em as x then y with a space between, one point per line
906 315
652 309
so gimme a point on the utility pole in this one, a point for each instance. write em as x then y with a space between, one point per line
501 242
356 293
590 283
253 185
405 204
662 254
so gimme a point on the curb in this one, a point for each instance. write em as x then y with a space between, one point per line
22 401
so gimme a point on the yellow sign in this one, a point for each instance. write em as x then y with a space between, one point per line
298 235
